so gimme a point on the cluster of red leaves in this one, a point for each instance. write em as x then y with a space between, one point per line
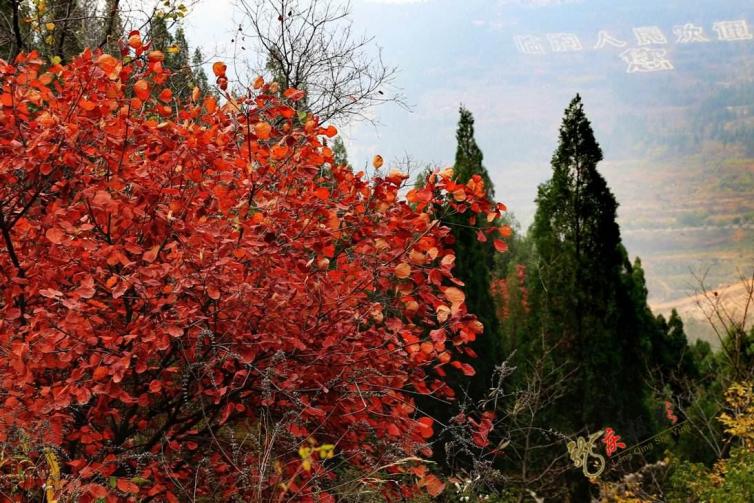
501 290
192 290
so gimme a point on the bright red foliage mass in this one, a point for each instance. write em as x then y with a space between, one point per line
191 291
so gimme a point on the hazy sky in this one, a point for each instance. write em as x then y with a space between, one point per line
485 54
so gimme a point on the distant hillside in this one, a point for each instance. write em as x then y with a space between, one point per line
697 310
683 216
687 217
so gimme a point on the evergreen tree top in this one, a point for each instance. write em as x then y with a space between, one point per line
577 147
468 154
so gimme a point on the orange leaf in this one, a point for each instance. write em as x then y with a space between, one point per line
127 486
99 373
258 83
500 245
425 427
454 295
151 254
322 193
107 63
174 331
279 151
141 89
427 348
156 57
195 94
293 94
96 490
210 104
55 235
262 130
403 270
166 95
87 105
135 41
377 161
219 69
213 293
434 485
467 370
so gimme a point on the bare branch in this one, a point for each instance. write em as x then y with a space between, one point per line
312 46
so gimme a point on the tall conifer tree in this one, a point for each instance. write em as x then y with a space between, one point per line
200 77
474 259
583 288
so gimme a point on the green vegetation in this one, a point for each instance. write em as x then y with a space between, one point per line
474 259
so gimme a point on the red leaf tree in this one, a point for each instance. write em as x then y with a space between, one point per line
196 301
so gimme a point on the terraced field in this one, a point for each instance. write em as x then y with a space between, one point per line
690 221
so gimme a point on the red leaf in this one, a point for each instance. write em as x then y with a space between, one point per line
151 254
402 270
174 331
96 490
166 95
127 486
262 130
322 193
141 89
219 68
434 485
425 427
55 235
500 245
87 105
293 94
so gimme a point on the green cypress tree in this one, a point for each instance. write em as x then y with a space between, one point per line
186 71
475 259
177 60
468 155
159 34
200 77
672 358
340 154
582 291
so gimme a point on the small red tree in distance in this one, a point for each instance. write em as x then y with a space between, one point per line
196 302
